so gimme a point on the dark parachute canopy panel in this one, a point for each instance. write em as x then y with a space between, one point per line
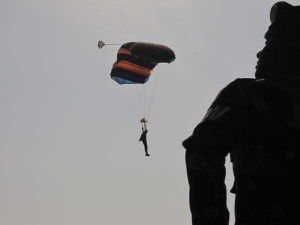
159 53
136 61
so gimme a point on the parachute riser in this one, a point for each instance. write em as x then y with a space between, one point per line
101 44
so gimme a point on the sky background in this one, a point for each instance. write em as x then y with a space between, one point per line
69 150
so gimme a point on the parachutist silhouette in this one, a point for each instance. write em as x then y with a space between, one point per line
143 138
257 121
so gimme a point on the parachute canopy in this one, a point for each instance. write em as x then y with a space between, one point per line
136 61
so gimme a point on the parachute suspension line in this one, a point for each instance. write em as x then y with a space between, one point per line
141 100
146 100
138 100
152 98
130 100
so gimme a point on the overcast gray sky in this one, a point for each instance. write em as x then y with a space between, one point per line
69 150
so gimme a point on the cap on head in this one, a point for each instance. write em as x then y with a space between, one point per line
285 16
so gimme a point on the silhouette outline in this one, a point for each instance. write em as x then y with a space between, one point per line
143 137
256 121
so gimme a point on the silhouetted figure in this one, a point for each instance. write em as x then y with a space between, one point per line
257 121
143 138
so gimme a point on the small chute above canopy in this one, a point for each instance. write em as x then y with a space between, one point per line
101 44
